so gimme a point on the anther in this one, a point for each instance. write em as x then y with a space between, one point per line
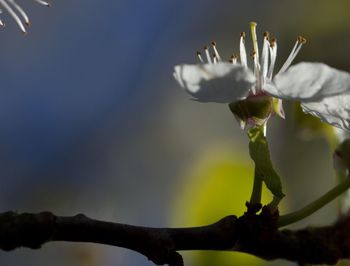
243 34
301 40
213 43
267 35
273 42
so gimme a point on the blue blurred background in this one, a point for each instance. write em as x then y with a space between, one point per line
92 121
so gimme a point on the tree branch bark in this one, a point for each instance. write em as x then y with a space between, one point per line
250 233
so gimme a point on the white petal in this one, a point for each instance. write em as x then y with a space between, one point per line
310 81
221 82
334 110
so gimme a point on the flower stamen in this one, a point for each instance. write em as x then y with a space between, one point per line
13 14
215 59
20 11
297 46
273 55
45 3
206 49
17 12
242 51
233 59
253 55
255 39
199 55
265 55
213 44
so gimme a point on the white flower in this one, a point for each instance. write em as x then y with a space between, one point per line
323 91
17 12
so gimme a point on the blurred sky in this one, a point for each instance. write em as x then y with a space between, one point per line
92 121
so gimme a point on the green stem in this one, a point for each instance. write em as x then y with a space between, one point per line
274 203
316 205
257 189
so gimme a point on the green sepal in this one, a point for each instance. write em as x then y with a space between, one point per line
255 109
260 154
277 106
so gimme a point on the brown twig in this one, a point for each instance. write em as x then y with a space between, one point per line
251 233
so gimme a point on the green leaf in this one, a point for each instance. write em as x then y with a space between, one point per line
260 154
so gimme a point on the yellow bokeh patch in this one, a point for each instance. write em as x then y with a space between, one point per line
218 184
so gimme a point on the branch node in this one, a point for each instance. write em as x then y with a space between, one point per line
176 259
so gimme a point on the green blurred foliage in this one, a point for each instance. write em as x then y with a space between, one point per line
219 184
